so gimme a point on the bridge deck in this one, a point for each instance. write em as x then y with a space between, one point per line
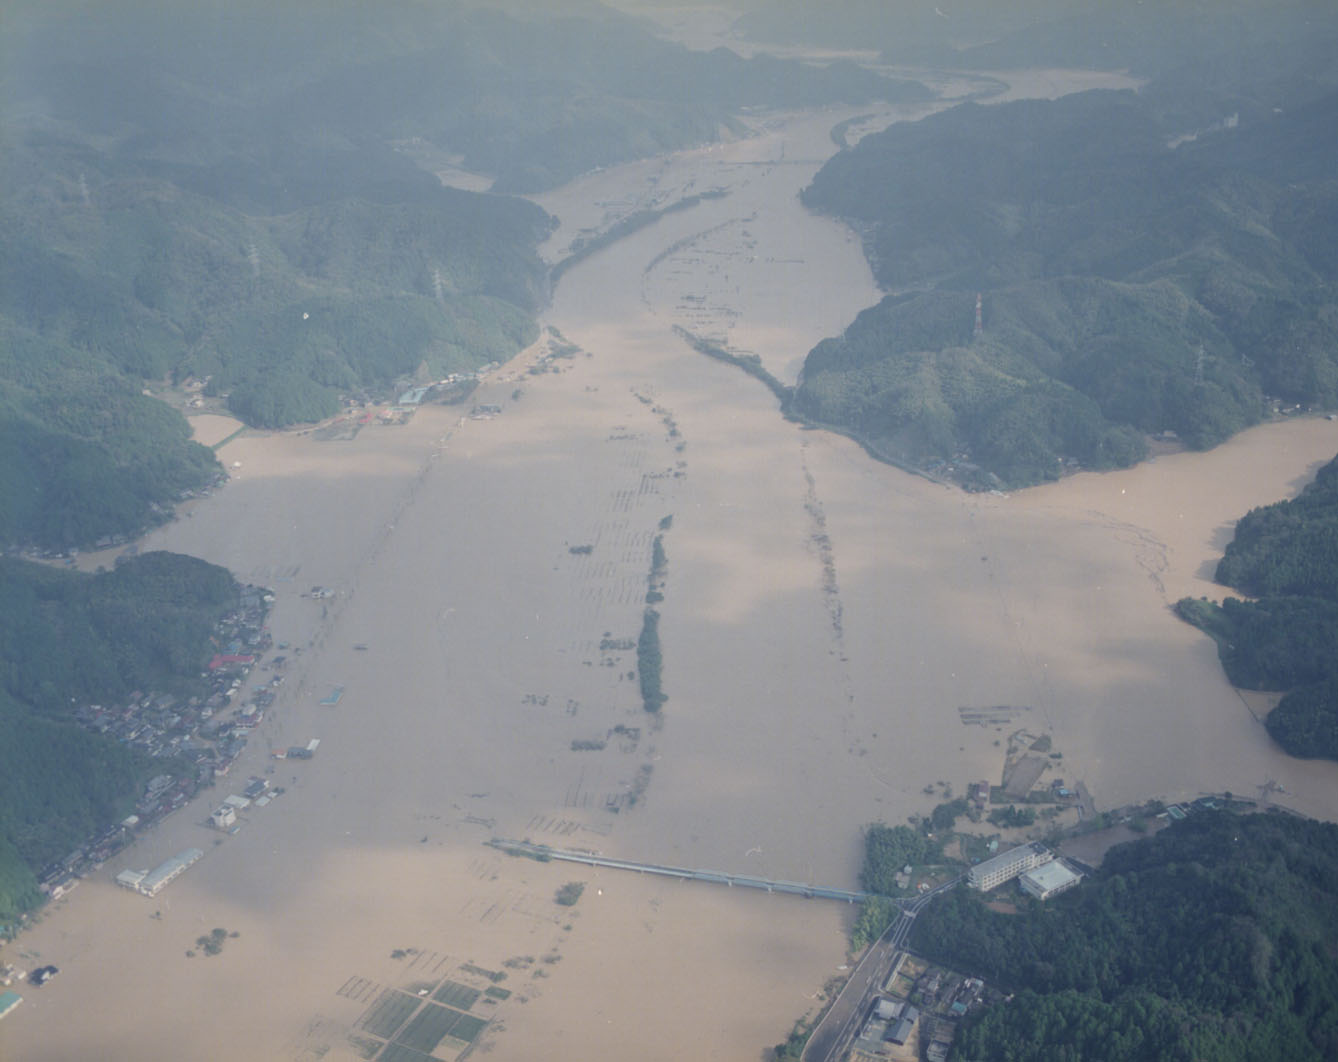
747 881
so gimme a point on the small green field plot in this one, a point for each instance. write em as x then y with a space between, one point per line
400 1053
388 1013
456 995
424 1020
467 1028
429 1027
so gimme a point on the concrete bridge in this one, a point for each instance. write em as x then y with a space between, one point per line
543 852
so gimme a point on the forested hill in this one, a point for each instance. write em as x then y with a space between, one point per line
1286 557
69 640
1133 281
1213 940
244 193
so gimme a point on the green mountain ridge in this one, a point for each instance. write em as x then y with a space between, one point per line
1129 287
223 192
219 192
1213 939
1286 556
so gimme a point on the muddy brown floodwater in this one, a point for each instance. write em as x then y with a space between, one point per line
825 620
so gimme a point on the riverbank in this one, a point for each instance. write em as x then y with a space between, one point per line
826 620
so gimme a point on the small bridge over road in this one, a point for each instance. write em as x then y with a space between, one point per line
543 853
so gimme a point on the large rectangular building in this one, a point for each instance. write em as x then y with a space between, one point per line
151 882
1049 879
1007 865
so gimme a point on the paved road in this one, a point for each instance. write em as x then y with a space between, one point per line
1086 805
844 1017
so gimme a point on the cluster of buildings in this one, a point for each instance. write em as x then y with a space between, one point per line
1040 873
892 1021
62 875
163 795
980 794
444 388
257 792
916 1014
359 408
165 725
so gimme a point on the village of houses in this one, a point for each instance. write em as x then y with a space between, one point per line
194 734
194 730
913 1012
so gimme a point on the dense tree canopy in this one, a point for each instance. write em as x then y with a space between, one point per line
888 849
68 639
69 636
58 784
83 454
1288 638
245 194
1214 939
1133 282
1288 548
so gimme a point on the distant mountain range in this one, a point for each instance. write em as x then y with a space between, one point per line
1289 39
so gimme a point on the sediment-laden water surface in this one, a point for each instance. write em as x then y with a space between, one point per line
830 630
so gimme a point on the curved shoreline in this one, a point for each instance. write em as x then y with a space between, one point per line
448 544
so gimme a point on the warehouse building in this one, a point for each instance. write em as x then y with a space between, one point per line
1048 880
152 882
